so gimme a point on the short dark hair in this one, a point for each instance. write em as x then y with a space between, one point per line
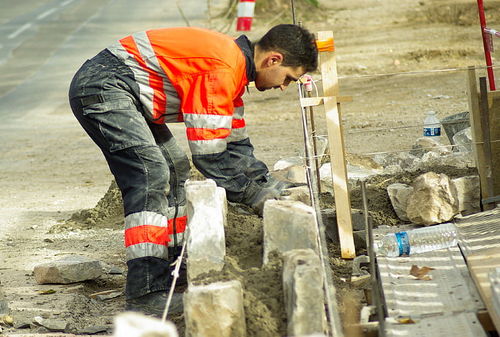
297 45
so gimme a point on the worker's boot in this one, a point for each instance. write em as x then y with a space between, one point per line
154 304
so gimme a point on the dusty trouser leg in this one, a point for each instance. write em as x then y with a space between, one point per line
179 168
112 118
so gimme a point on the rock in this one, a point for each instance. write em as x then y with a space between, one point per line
131 324
399 194
206 245
428 144
296 174
285 163
303 291
91 330
69 269
468 194
354 174
215 309
463 140
434 199
300 193
455 123
404 160
51 324
455 159
288 225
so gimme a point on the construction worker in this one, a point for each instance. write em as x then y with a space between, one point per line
125 96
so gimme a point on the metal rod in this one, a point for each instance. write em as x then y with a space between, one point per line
293 12
486 45
315 147
329 288
373 270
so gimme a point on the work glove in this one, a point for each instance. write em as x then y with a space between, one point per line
270 181
256 196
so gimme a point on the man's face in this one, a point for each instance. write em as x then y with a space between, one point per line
277 76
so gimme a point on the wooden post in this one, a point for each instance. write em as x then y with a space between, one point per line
328 66
486 145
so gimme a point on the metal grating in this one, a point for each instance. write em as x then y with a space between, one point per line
479 231
450 289
452 325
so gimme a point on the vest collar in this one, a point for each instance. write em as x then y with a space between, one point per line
246 47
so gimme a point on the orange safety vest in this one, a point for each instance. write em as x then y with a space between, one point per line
192 75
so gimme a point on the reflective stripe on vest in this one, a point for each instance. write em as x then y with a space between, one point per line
150 233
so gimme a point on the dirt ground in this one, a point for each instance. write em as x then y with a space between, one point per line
397 59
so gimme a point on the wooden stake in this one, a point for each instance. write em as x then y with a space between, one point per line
328 65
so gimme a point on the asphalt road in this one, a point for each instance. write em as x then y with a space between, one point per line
43 42
46 160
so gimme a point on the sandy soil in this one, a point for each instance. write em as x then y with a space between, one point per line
389 54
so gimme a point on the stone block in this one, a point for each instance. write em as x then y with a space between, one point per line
434 199
288 225
206 246
285 163
132 324
222 199
404 160
215 310
303 292
300 193
428 144
69 269
455 159
399 194
296 174
463 140
468 195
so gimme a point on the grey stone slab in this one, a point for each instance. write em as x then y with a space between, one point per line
288 225
215 310
69 269
303 289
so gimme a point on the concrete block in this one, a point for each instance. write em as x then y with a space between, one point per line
206 246
69 269
468 194
303 291
463 140
222 199
215 310
132 324
288 225
399 194
300 193
434 199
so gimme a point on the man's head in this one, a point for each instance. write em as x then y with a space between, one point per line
282 55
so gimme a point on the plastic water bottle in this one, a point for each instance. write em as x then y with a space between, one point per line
418 240
432 126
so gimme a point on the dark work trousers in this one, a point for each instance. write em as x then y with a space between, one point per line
149 167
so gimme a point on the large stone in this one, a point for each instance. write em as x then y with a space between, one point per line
303 292
206 246
285 163
131 324
403 160
300 193
463 140
69 269
296 174
434 199
215 310
468 194
288 225
354 174
455 159
399 194
51 324
428 144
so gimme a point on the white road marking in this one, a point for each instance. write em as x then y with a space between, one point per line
46 13
67 2
19 30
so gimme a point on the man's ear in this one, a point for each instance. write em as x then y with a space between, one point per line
274 58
